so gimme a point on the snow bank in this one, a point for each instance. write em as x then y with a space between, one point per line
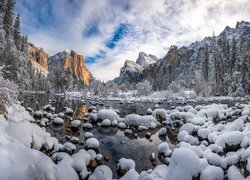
17 113
30 135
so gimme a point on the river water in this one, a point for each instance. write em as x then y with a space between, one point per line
114 144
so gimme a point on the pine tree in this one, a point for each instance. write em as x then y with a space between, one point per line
233 55
204 68
17 34
2 4
8 17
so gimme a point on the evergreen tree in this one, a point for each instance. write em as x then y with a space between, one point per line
17 34
204 68
2 4
233 55
8 17
24 44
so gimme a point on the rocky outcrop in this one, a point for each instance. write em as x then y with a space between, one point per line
216 65
38 55
144 60
71 66
133 72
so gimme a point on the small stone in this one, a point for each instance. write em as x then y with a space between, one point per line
106 158
148 135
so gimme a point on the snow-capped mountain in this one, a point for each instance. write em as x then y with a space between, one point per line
215 65
132 72
144 59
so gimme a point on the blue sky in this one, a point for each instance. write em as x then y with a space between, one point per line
107 32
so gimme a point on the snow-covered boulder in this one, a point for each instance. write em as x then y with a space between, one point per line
211 173
87 126
184 164
106 123
75 124
162 131
163 148
137 120
132 174
107 114
126 164
92 143
58 121
102 172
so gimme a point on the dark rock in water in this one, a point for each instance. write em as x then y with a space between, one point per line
148 135
29 109
136 135
153 159
38 115
81 143
106 158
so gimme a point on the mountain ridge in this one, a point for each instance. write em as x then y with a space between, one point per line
219 56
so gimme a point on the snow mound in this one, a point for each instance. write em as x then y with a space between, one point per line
102 172
30 135
211 173
106 123
17 113
92 143
163 148
58 121
184 164
75 124
132 174
126 164
137 120
107 114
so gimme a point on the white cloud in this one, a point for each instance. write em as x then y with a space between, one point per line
155 25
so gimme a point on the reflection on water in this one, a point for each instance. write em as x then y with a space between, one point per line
137 148
80 111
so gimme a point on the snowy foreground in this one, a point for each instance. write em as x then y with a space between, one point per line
213 143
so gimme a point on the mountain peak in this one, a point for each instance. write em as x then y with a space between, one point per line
241 24
144 59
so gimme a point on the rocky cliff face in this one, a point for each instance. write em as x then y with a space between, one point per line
216 65
132 72
38 55
70 66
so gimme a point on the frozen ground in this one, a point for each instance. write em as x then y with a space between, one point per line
213 142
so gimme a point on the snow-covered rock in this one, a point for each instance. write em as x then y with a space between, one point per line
184 164
126 164
92 143
107 114
75 124
106 123
58 121
102 172
163 148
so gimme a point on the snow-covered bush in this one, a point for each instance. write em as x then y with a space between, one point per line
144 88
8 90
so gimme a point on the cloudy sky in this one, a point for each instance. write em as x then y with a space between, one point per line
107 32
